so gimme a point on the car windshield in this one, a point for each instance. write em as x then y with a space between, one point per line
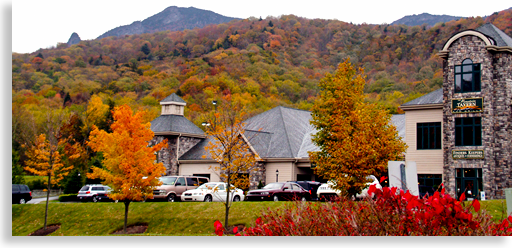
168 180
274 186
207 186
84 188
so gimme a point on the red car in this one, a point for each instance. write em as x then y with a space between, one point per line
279 192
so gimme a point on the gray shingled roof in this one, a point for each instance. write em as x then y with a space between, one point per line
175 123
173 98
496 34
281 133
434 97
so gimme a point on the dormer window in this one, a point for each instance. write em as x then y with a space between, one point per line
467 77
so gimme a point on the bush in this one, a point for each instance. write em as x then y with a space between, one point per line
67 197
392 212
37 184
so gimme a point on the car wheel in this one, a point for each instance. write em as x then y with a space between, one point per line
22 201
236 198
95 199
171 198
303 199
276 198
208 198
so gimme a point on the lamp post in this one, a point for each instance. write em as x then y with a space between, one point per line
277 176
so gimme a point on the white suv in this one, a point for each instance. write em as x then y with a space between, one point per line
93 192
325 191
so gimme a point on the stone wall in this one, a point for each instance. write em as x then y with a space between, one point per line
496 80
168 155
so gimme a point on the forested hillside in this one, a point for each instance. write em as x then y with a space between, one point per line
259 63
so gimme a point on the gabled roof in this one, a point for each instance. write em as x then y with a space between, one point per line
432 98
173 124
496 34
289 133
280 133
173 98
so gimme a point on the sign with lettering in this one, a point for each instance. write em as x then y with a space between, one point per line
467 154
468 105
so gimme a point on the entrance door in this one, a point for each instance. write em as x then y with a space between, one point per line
470 190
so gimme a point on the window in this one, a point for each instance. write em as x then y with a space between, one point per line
468 131
469 182
192 181
180 182
221 187
467 77
428 135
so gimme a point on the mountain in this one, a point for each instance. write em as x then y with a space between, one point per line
172 18
74 39
430 20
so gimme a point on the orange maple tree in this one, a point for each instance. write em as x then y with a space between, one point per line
356 138
129 166
44 159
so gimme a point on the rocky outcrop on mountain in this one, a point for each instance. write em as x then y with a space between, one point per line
74 39
172 18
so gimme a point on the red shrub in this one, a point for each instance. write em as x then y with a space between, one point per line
391 212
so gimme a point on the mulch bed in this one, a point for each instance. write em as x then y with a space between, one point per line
137 228
240 227
49 229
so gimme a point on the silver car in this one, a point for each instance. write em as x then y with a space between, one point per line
93 192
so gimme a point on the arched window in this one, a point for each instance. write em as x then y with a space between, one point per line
467 77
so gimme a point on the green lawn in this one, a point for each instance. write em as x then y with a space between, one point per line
163 218
33 178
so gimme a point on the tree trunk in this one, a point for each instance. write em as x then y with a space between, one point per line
47 200
126 205
227 203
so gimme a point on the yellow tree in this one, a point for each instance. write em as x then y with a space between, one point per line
44 159
129 166
229 148
356 138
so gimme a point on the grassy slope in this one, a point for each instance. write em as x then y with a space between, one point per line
171 219
181 218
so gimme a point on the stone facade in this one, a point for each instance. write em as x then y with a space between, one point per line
496 91
168 155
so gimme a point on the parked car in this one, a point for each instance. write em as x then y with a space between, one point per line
93 192
173 186
310 186
326 193
21 194
279 192
212 191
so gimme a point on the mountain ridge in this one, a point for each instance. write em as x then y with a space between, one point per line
172 18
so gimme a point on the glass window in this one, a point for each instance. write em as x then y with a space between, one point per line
467 77
180 181
221 187
288 186
428 135
192 181
469 182
468 131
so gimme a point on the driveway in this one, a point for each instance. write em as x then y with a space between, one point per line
41 199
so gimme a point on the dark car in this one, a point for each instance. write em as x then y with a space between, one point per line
21 193
279 192
310 186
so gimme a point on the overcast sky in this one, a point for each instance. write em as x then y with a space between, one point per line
44 23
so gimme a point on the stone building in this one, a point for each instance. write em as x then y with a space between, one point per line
461 134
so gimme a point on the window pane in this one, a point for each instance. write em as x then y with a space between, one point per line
425 138
467 136
467 68
467 82
457 68
458 136
438 138
419 137
467 61
469 173
478 136
458 83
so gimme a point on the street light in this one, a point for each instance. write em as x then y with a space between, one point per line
277 175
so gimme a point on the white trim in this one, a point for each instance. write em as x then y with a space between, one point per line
173 103
465 33
181 134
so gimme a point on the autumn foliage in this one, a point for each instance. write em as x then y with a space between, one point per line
392 212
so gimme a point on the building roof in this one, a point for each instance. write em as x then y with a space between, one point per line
173 98
434 97
496 34
281 133
174 124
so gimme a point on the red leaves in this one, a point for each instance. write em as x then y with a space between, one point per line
390 213
462 197
383 178
219 229
476 205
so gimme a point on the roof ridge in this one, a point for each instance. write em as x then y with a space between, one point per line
286 131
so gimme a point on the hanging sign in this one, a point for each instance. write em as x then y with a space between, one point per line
468 105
